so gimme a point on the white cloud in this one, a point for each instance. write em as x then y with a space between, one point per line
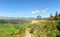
33 12
45 10
36 12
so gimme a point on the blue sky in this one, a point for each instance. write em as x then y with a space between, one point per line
29 8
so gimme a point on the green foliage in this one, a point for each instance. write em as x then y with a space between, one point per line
49 28
32 30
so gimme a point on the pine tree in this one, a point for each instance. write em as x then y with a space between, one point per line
56 15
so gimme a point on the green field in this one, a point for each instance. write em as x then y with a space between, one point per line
9 30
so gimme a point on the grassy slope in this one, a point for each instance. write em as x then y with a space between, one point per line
8 30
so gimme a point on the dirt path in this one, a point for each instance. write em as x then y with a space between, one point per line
28 34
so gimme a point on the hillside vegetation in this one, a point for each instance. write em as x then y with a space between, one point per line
24 28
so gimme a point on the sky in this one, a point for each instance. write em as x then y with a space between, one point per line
29 8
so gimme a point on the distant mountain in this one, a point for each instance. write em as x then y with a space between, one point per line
16 18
